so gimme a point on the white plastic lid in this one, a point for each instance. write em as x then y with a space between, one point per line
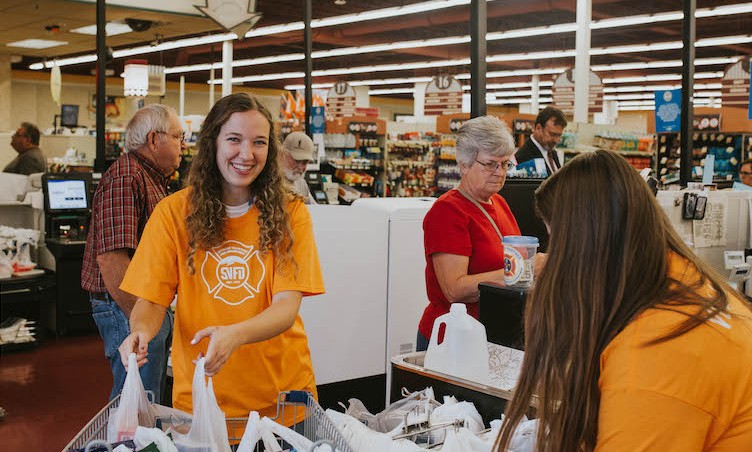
521 240
458 307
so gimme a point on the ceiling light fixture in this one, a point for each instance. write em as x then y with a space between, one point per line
111 29
741 8
36 44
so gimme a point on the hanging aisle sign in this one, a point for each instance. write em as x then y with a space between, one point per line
340 101
735 85
443 96
563 93
668 111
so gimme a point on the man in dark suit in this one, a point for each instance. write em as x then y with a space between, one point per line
549 126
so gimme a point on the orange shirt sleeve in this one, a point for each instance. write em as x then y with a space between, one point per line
307 278
153 271
633 420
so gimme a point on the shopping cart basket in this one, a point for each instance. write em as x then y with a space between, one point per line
316 426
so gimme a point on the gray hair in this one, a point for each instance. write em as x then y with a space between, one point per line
486 134
151 118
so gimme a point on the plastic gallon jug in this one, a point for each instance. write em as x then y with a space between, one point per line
519 260
464 351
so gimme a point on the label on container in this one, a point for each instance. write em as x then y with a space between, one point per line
514 265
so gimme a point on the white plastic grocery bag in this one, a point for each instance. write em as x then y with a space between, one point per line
209 428
134 408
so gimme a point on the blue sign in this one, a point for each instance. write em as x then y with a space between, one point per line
318 121
668 111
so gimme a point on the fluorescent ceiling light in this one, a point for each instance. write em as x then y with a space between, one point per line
313 85
521 100
111 29
639 88
418 8
662 64
532 56
390 81
660 77
377 92
393 67
520 93
36 44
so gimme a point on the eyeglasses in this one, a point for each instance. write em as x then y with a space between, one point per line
180 136
492 167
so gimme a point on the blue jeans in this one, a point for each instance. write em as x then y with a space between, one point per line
421 343
114 328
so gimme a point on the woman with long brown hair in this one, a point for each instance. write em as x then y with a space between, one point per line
632 343
237 248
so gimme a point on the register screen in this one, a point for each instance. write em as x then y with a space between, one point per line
67 194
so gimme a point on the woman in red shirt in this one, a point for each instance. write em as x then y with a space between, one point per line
463 229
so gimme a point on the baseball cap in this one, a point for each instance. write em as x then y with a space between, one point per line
299 146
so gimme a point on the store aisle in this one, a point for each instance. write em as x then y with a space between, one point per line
51 392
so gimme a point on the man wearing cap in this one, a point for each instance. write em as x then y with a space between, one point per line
297 151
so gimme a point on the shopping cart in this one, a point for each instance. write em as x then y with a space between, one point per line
316 426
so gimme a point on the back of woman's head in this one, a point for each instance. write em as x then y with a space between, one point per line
205 221
608 262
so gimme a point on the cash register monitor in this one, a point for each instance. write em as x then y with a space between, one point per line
66 205
66 195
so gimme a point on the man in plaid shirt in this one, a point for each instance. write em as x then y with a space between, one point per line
123 202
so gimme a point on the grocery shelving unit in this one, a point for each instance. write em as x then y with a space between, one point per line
354 148
411 165
729 149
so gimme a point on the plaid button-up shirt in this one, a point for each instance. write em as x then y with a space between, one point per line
125 198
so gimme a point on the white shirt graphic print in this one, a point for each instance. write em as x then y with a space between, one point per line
233 272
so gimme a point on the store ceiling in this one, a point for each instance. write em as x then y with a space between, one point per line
36 19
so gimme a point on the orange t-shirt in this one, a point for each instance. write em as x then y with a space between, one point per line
232 283
692 393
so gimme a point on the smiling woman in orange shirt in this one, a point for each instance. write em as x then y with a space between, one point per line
632 343
237 248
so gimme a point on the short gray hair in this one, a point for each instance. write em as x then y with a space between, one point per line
151 118
486 134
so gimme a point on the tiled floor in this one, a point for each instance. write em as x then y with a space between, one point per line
51 392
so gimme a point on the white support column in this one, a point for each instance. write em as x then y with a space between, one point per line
419 100
182 96
362 99
535 94
582 61
211 87
226 68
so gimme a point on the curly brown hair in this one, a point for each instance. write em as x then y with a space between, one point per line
206 218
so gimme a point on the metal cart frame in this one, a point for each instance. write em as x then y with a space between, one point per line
317 426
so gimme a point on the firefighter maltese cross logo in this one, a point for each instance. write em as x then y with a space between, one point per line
233 272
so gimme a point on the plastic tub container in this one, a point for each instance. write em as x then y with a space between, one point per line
519 260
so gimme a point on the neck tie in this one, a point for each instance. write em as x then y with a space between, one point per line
552 162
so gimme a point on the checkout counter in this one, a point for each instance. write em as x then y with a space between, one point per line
59 207
502 312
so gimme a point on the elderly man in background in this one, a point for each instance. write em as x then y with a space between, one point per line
30 158
297 151
123 202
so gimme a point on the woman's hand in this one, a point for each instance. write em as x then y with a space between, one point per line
137 343
223 340
540 262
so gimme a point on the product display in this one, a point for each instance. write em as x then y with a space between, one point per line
411 165
728 150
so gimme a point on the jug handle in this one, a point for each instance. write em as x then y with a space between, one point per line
435 333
